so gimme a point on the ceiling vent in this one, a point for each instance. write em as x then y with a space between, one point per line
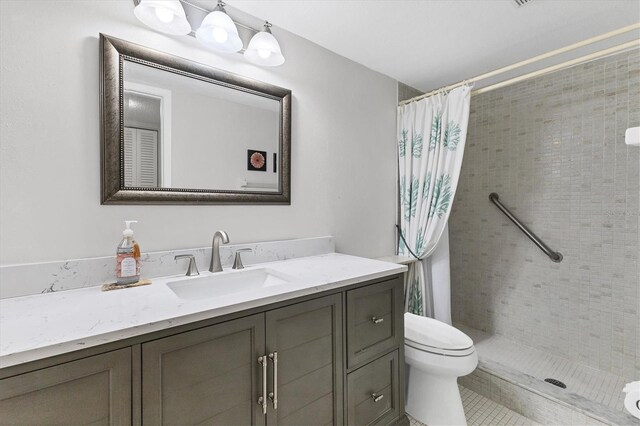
522 2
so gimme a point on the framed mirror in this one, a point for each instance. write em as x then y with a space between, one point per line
179 132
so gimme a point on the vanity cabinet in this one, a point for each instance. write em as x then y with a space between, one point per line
90 391
216 374
330 358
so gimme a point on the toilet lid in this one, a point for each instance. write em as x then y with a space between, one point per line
435 334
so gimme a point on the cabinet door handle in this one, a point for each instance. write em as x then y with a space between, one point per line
376 320
262 360
376 397
273 396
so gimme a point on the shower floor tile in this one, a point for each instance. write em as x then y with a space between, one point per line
481 411
588 382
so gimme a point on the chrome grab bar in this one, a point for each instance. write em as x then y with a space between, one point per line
556 256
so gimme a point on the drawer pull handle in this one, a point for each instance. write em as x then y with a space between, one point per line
262 401
273 396
376 397
376 320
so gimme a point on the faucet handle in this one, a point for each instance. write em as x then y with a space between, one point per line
192 269
237 263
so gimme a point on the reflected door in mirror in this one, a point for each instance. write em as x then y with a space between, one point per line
141 158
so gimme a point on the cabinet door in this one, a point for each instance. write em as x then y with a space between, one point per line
308 381
94 390
206 376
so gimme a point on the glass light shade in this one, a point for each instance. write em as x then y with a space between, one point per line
166 16
219 33
264 50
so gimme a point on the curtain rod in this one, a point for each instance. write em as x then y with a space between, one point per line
574 46
599 54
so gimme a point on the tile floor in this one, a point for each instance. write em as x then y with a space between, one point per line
481 411
588 382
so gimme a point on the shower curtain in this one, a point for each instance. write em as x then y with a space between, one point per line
431 138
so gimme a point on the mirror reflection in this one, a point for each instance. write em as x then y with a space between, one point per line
183 132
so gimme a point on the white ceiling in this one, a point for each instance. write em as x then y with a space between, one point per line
431 43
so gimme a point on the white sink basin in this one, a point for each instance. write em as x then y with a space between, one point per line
227 283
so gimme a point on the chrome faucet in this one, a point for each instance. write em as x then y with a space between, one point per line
216 266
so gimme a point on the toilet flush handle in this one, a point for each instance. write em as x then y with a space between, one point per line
376 320
376 397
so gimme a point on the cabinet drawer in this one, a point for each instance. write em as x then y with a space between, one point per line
372 320
373 392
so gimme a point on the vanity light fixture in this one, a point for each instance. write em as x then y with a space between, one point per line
264 49
166 16
219 32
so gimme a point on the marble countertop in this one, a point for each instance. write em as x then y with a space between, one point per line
401 260
39 326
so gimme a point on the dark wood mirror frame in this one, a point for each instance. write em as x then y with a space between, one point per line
113 53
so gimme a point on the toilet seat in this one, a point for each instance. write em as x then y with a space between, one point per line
439 351
430 335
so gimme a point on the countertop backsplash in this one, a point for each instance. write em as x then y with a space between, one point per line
46 277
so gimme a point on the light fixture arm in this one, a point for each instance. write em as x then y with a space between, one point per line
220 7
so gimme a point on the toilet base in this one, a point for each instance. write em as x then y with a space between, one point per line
434 400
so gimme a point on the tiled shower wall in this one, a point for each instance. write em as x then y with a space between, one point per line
553 149
406 92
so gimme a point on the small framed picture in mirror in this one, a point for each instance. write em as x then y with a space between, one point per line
256 160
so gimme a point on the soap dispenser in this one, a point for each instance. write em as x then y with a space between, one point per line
128 257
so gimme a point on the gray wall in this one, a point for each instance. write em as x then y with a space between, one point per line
216 149
343 167
553 148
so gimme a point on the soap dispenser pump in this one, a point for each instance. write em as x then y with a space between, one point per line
128 257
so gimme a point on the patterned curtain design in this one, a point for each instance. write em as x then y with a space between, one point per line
431 138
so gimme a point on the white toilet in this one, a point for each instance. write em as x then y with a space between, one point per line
436 354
